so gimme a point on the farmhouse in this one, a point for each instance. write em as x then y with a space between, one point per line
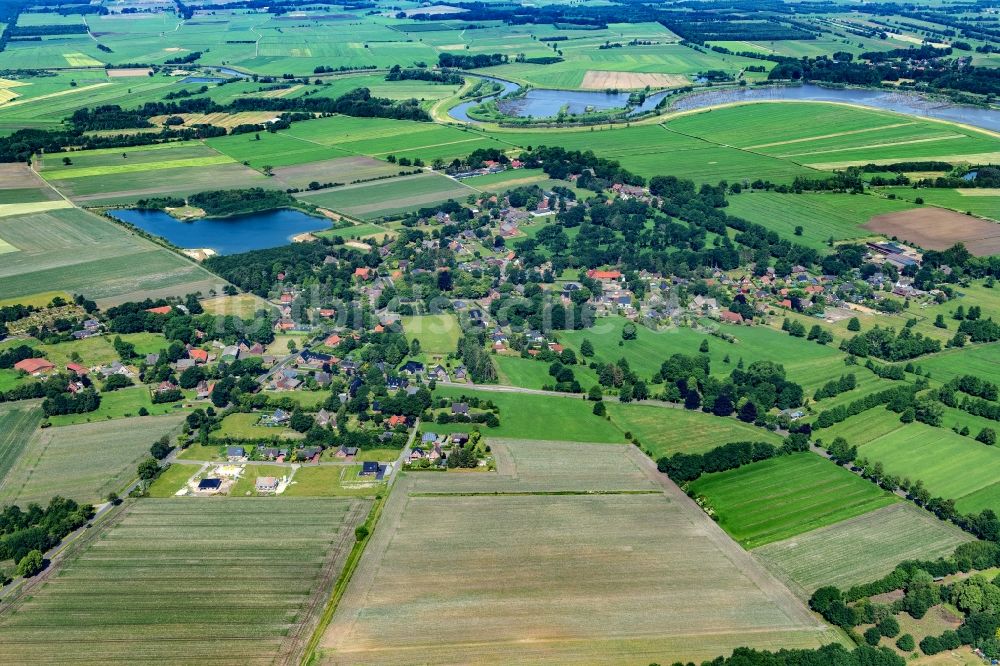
34 366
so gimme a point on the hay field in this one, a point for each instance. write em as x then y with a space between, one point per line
598 80
369 201
821 216
339 170
779 498
83 462
663 431
18 421
75 251
227 120
860 549
235 581
573 578
938 229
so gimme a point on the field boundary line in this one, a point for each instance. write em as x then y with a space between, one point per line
832 136
663 124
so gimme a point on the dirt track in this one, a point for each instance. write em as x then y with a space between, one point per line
938 229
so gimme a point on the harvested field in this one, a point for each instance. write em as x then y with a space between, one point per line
6 210
598 80
83 462
939 229
860 549
340 170
127 72
539 578
237 581
19 176
227 120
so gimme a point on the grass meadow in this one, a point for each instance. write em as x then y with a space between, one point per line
540 417
553 592
83 462
860 549
438 334
383 198
821 216
982 202
663 431
779 498
235 581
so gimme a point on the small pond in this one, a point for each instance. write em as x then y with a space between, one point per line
230 235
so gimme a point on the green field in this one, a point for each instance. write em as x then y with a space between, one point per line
782 497
333 481
236 581
247 426
663 431
526 416
121 404
83 462
438 334
806 363
981 202
860 549
75 251
821 216
529 373
553 592
825 136
18 422
370 201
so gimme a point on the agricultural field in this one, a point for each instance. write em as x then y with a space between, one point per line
662 431
385 198
556 581
984 202
236 581
438 334
83 462
18 422
123 176
860 549
828 136
121 404
526 416
949 465
75 251
821 216
782 497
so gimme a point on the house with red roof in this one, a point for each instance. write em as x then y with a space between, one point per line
731 317
163 309
77 368
362 272
333 340
595 274
34 366
396 420
198 355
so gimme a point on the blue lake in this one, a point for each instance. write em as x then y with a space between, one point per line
230 235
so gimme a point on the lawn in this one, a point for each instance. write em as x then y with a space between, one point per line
234 581
246 485
529 373
524 416
821 216
438 334
83 462
782 497
247 426
663 431
333 481
171 480
541 575
860 549
18 421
